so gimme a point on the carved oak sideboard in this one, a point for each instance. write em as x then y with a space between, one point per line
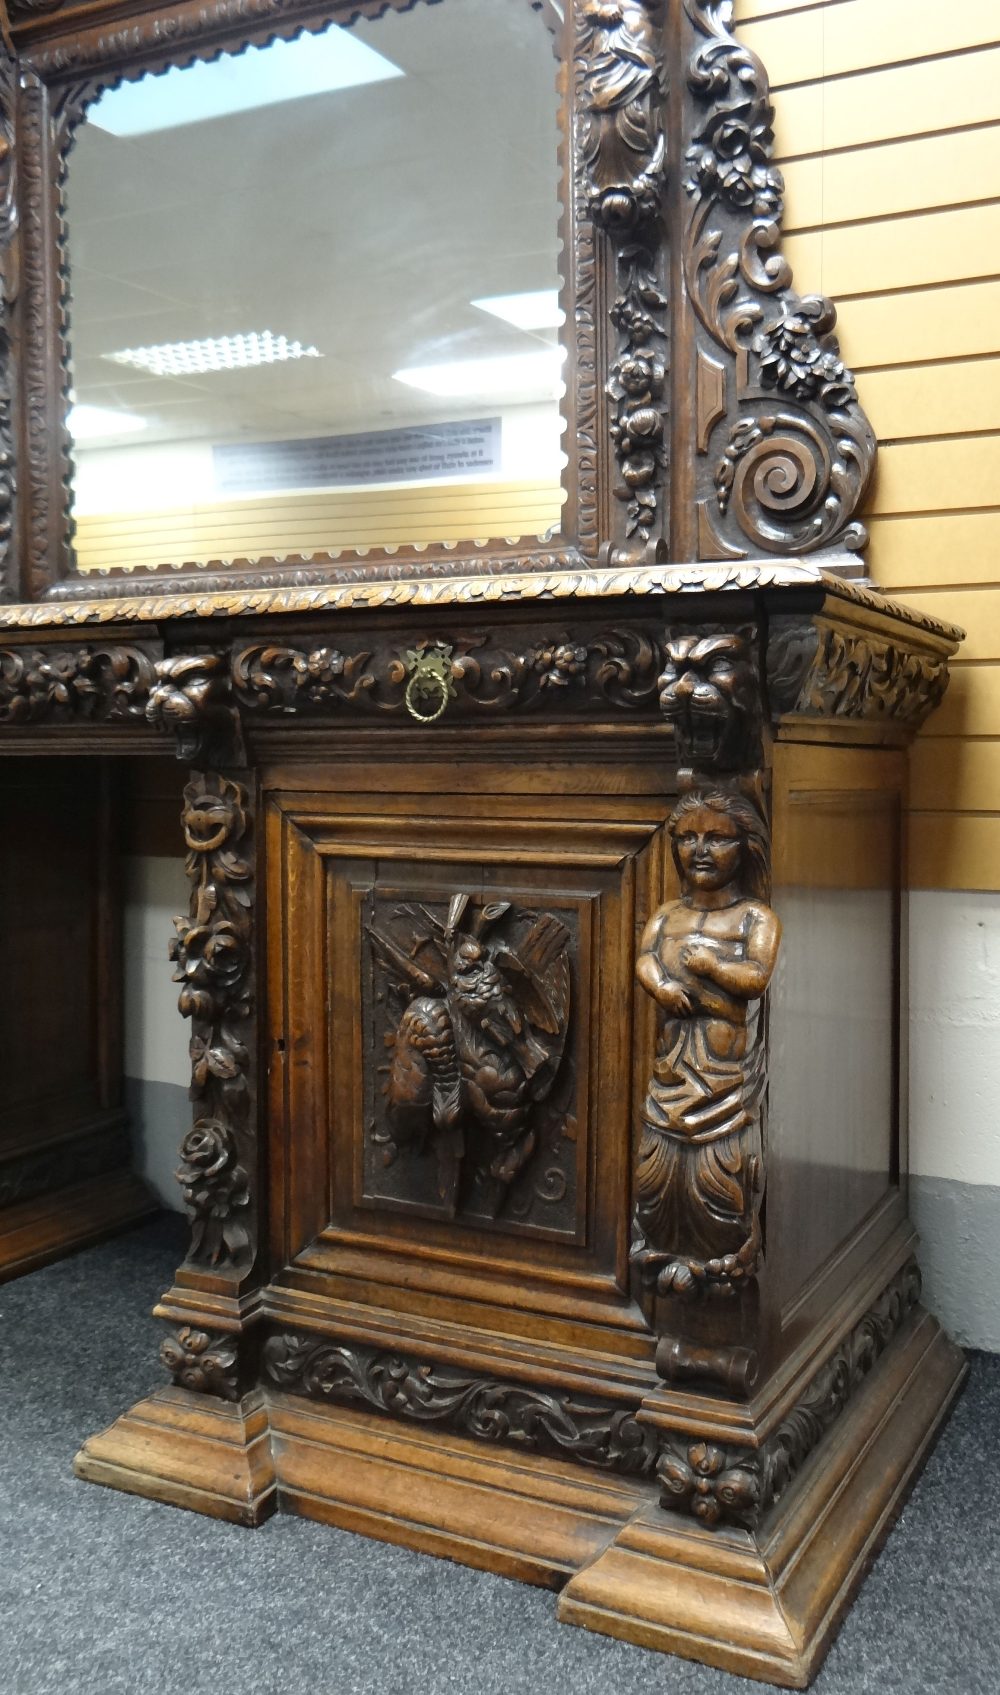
544 958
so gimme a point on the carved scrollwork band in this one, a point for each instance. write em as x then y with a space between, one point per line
593 1431
717 1484
214 964
57 684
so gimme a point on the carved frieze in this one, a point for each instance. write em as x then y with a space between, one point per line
470 1002
819 670
204 1363
213 962
793 453
721 1485
41 1170
57 684
577 1426
552 669
709 692
707 960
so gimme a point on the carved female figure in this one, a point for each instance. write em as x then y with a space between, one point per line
706 959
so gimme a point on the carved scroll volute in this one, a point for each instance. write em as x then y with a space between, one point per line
788 452
622 158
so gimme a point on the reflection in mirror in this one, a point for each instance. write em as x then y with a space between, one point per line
314 295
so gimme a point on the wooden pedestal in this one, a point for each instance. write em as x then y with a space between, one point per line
764 1604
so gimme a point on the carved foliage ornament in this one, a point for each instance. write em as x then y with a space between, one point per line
201 1362
800 453
829 672
707 960
213 962
718 1484
471 673
623 152
63 683
558 1423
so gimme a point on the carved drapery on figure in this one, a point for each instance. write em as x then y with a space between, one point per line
707 960
479 1008
213 961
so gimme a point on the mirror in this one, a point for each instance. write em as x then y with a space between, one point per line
314 295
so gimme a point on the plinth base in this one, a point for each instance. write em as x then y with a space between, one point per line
35 1232
763 1604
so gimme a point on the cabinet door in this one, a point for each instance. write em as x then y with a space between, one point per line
451 1026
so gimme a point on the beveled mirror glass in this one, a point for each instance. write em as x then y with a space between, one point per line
315 295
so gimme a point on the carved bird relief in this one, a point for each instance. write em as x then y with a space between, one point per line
479 1043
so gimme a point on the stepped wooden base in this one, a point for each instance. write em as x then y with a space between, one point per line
35 1232
768 1605
765 1605
190 1451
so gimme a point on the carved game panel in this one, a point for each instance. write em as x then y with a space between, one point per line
472 1075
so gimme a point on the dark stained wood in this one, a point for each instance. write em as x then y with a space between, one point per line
64 1143
498 1248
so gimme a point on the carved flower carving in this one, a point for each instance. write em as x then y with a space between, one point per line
210 961
711 1483
794 359
203 1363
731 160
639 375
214 1185
316 672
559 663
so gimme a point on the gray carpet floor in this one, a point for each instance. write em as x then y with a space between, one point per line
103 1593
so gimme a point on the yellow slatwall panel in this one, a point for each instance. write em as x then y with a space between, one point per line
887 123
309 523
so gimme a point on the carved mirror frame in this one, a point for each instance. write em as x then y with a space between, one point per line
709 417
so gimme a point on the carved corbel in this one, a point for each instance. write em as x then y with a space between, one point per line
710 693
193 699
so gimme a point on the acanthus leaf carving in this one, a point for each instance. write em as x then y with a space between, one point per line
99 683
595 1432
820 670
212 954
205 1363
800 453
554 670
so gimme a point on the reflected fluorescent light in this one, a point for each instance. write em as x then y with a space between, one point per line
534 373
536 309
87 423
259 76
217 353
